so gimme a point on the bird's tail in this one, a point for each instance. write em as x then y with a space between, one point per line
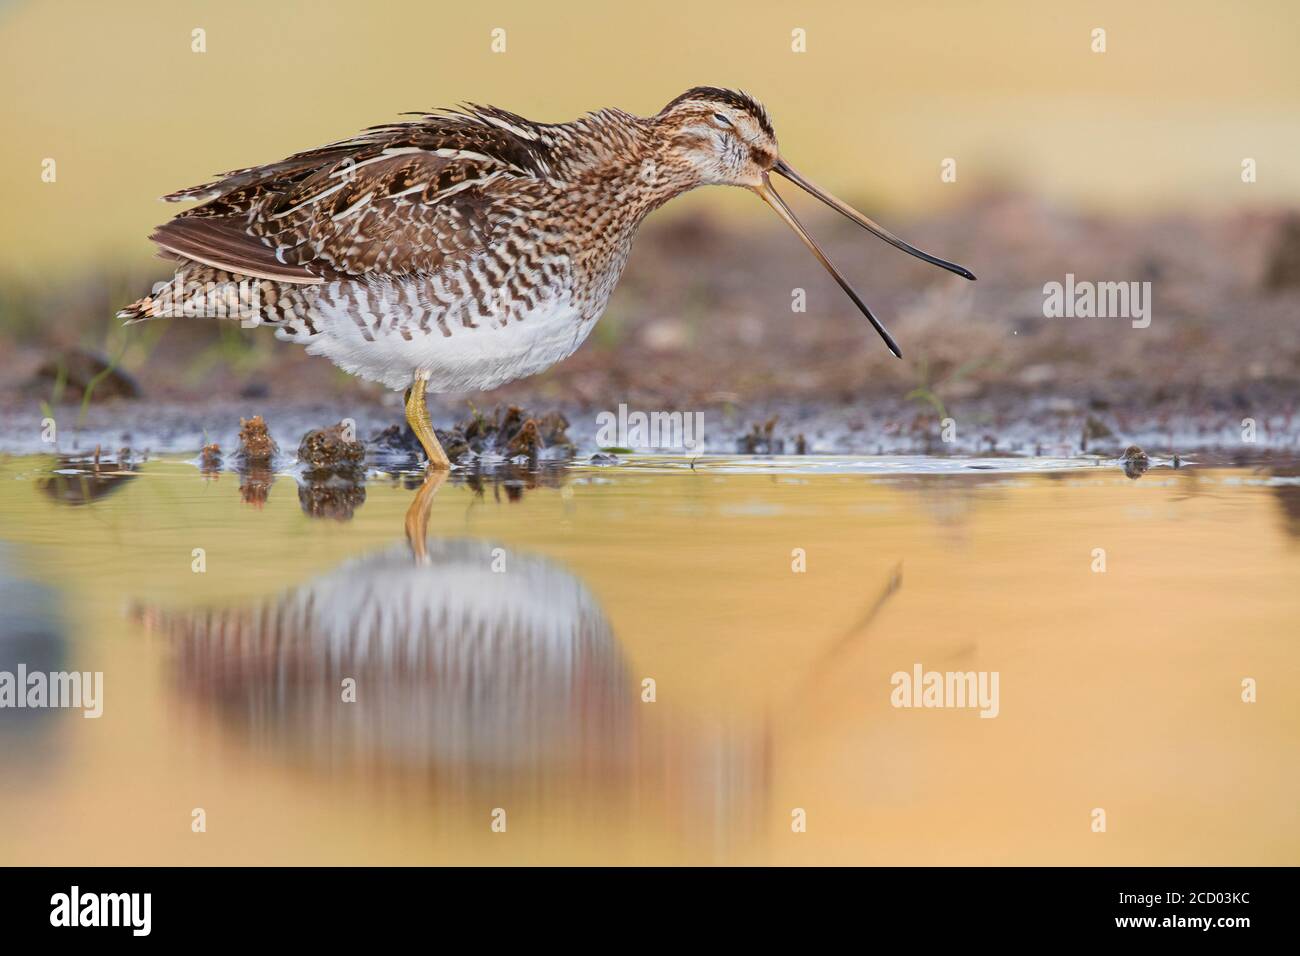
199 291
138 311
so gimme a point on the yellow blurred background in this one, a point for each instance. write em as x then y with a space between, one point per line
883 94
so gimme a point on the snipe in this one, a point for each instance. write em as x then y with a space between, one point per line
464 249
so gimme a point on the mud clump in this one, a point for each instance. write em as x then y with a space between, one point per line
527 441
210 459
331 449
512 433
256 446
333 481
763 440
1135 461
255 458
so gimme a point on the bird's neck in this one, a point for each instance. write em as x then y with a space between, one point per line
624 157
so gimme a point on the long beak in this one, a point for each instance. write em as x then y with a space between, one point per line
784 169
769 196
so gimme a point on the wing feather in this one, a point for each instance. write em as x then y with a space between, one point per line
395 199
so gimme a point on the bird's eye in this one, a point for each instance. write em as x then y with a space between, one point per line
722 119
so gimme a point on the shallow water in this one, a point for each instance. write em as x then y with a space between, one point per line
503 668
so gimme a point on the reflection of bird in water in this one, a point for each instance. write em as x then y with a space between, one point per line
477 656
490 673
479 669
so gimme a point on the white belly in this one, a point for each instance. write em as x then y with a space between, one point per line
393 329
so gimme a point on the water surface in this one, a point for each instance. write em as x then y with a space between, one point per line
500 664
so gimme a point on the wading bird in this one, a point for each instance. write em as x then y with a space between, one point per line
466 248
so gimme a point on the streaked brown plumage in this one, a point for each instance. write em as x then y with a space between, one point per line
462 249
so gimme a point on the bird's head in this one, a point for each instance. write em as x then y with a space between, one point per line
726 138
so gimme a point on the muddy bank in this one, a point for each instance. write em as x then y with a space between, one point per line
1006 424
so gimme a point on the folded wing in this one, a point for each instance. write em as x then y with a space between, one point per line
398 199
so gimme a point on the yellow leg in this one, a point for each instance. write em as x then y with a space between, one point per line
417 415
